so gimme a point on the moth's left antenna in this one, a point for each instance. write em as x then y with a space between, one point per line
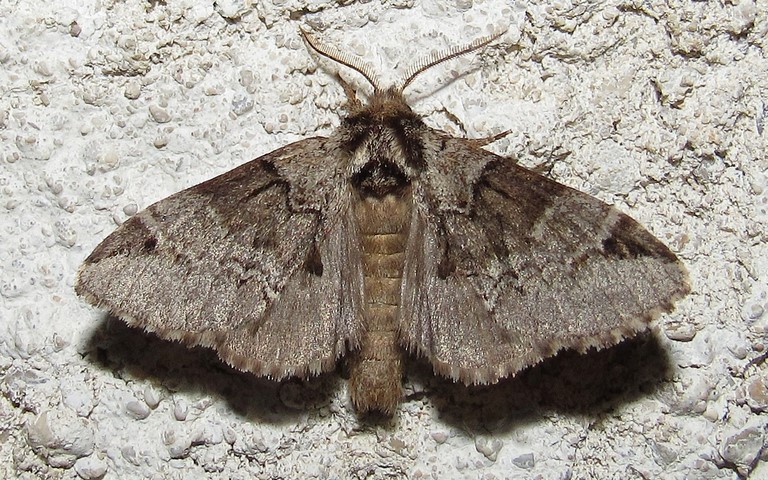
329 51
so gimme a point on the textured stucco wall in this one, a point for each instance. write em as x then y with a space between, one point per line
106 107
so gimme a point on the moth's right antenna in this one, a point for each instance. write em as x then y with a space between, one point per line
440 57
329 51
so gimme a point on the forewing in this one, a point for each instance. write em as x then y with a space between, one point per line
259 263
514 267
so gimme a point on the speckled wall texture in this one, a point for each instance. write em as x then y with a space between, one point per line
656 107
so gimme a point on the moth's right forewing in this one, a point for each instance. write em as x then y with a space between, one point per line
512 267
241 262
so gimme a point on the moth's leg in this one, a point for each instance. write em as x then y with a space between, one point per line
544 167
354 103
481 142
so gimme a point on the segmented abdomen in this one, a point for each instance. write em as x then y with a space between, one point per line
376 367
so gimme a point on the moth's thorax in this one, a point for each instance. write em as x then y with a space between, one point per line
385 139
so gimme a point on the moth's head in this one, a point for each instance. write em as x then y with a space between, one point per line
381 106
383 136
388 102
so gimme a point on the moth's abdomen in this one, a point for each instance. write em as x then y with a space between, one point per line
376 368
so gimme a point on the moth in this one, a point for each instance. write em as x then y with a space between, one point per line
384 239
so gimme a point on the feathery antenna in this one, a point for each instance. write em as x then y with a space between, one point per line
440 57
365 69
355 63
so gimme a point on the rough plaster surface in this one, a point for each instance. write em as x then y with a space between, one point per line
108 106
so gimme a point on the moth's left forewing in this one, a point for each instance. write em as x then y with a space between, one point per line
251 263
510 267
